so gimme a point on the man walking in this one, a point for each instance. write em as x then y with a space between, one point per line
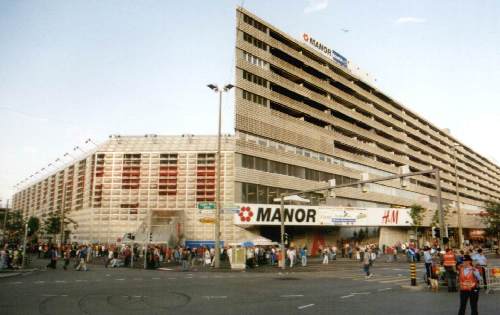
66 256
450 263
428 264
53 258
366 263
469 286
82 255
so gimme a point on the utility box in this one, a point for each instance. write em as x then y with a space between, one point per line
238 259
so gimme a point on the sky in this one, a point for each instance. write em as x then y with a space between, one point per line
74 70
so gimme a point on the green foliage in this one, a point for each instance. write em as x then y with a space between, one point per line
417 215
492 217
33 225
52 224
14 226
435 217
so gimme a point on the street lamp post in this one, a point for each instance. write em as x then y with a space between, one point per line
459 210
216 89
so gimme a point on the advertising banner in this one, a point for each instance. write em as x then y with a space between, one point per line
325 49
270 214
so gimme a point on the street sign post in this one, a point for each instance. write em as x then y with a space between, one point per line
206 205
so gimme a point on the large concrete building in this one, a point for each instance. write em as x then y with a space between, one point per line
303 117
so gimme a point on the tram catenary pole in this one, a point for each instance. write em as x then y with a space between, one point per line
434 171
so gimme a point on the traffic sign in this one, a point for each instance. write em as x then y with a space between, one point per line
206 205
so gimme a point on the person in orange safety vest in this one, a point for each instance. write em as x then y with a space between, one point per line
450 263
469 278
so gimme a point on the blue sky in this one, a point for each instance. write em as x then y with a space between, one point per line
73 70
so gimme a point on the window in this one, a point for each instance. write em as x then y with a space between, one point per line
254 78
254 98
205 177
255 60
261 27
254 41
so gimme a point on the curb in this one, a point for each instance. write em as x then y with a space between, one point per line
8 275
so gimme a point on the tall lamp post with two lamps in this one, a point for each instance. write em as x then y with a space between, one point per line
216 89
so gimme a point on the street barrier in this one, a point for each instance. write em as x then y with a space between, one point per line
413 274
492 278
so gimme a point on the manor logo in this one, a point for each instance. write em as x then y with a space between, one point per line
245 214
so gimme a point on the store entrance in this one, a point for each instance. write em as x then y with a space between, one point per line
314 238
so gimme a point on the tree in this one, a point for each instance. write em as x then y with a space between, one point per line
492 218
33 225
52 224
417 217
14 227
435 217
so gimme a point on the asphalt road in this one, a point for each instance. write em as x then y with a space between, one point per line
342 289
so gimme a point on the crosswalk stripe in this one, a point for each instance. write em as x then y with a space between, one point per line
393 281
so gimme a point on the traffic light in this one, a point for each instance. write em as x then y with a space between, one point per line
436 232
151 236
285 237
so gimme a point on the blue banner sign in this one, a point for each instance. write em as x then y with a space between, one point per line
325 50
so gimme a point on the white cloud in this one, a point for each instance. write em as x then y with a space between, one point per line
315 5
410 19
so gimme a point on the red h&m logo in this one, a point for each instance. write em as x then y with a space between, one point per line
390 217
245 214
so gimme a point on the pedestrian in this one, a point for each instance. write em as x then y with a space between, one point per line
291 256
450 263
53 258
325 256
367 263
82 256
428 264
469 286
481 263
109 258
66 256
184 256
303 256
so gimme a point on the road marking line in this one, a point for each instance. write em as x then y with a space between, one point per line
291 295
60 281
384 289
119 279
347 296
215 297
64 295
392 281
39 282
49 294
155 278
305 306
81 280
360 293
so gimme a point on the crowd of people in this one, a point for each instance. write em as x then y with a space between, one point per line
11 257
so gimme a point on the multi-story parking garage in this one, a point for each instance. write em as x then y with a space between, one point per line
303 117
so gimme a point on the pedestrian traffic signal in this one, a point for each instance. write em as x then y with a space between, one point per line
285 238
